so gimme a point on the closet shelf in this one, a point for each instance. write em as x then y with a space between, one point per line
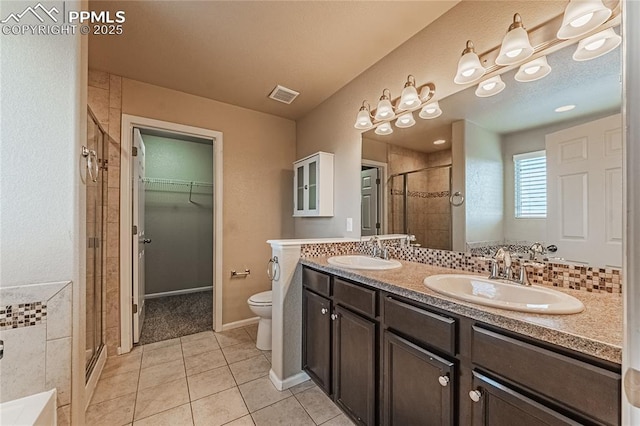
177 185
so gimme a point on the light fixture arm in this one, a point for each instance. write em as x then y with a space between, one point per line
366 107
517 22
386 95
469 48
411 81
430 94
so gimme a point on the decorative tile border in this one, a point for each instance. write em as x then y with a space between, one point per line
22 315
488 248
421 194
578 277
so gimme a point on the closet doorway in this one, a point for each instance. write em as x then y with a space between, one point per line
173 199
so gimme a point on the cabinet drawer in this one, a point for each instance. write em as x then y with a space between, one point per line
582 387
429 328
354 296
316 281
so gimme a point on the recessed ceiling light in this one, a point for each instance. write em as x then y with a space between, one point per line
565 108
439 142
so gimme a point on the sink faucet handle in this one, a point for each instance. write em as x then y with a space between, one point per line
536 249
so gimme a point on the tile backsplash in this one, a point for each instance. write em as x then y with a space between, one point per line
35 326
579 277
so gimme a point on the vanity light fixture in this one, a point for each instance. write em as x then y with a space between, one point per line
533 70
597 45
405 120
409 99
439 142
490 87
427 92
564 108
469 67
384 129
430 111
384 111
581 17
363 120
515 44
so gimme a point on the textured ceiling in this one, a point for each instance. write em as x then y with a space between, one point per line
237 51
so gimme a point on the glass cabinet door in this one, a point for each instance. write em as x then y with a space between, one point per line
313 185
300 188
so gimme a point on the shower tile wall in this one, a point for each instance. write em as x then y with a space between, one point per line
428 201
35 325
105 100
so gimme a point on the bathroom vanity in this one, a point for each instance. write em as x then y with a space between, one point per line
390 351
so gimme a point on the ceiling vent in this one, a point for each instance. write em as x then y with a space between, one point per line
282 94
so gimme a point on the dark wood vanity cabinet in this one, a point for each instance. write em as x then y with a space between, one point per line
390 360
418 385
340 342
316 343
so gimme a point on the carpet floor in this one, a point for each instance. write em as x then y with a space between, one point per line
176 316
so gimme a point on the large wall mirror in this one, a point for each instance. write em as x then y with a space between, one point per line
509 169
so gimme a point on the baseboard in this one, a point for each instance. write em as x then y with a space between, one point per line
289 381
241 323
177 292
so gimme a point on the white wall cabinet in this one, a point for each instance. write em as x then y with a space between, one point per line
313 186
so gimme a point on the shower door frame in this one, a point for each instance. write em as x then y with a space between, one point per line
129 122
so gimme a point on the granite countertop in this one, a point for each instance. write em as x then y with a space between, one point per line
596 331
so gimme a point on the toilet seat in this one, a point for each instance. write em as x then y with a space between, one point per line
261 299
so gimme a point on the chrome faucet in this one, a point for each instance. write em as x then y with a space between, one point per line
378 249
504 255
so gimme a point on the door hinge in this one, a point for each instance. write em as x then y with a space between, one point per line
135 308
378 181
134 151
135 230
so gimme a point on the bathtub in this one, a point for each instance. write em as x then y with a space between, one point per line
37 410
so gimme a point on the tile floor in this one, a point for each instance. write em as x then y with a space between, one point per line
204 379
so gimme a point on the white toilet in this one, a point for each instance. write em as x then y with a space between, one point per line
260 304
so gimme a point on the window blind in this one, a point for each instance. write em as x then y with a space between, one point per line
531 184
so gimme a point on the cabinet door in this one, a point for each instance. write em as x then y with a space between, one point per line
355 365
316 339
498 404
299 189
418 385
312 187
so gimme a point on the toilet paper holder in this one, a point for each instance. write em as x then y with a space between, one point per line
244 274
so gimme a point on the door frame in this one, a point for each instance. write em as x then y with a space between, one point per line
382 196
126 220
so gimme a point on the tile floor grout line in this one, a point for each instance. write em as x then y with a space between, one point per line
302 405
186 378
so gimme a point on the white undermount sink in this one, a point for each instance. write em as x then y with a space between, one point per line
364 262
498 294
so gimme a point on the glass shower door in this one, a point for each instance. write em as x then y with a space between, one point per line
95 184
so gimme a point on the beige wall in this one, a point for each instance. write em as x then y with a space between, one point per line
431 55
374 150
259 150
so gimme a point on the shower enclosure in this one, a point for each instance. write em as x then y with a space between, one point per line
96 196
419 205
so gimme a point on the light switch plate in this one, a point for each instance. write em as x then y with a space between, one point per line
349 224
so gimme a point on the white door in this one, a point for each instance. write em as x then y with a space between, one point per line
584 195
139 239
369 202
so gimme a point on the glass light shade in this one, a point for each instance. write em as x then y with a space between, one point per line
409 98
469 68
430 111
533 70
384 129
405 120
490 87
515 47
363 120
384 111
581 17
597 45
